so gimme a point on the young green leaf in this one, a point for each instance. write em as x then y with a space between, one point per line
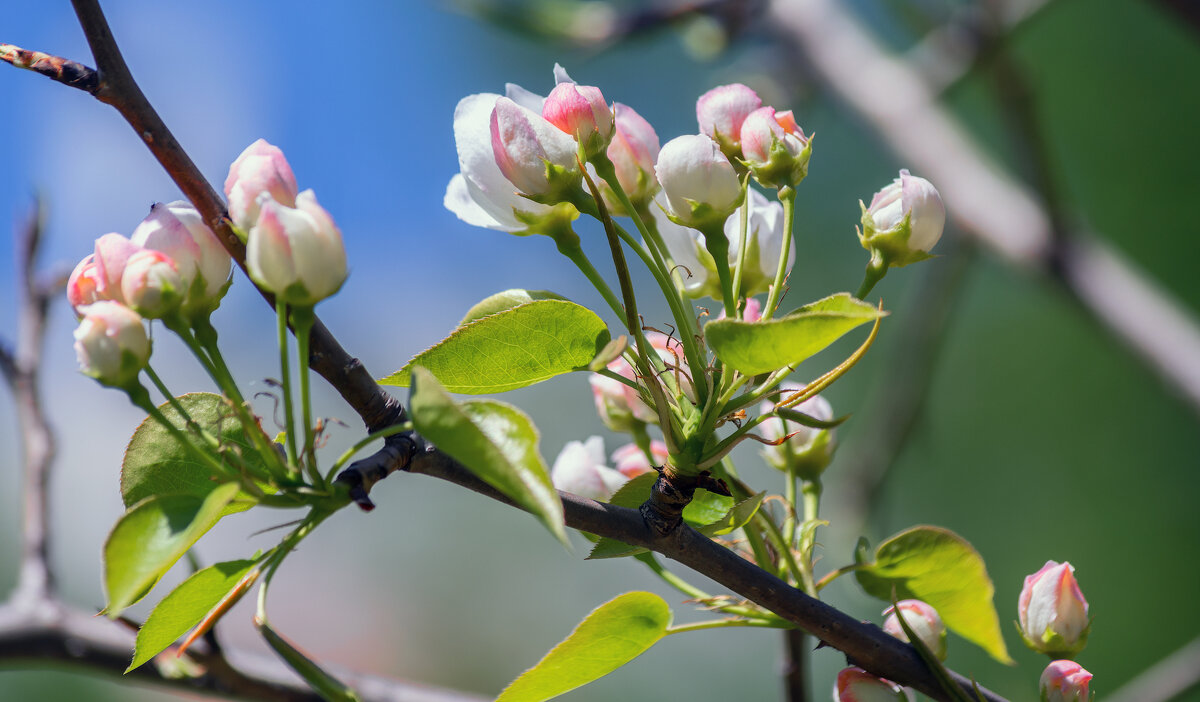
707 510
495 440
505 300
762 347
512 348
153 534
156 464
323 683
735 518
943 569
187 604
614 633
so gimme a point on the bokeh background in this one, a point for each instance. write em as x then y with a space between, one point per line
1039 437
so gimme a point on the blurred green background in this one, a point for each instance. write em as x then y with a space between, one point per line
1040 437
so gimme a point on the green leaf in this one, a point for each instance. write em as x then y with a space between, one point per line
614 633
148 539
495 440
506 300
762 347
156 464
735 518
325 685
941 568
512 349
187 604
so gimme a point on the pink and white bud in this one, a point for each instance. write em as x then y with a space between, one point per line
904 220
698 181
177 230
534 155
775 148
620 406
631 461
633 151
580 469
1065 681
296 253
112 253
151 285
83 287
857 685
721 113
580 110
807 451
923 620
1052 611
261 168
111 343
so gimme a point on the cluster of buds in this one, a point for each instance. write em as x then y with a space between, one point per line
173 267
804 451
581 468
293 248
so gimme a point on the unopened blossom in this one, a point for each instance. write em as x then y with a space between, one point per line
775 148
580 469
807 451
177 230
721 113
261 168
904 220
111 343
924 622
1052 612
633 152
296 253
1065 681
631 461
857 685
620 406
580 110
151 285
698 181
112 253
83 287
536 157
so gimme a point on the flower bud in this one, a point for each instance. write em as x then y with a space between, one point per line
857 685
620 406
1065 681
721 112
923 620
580 469
261 168
177 230
699 182
112 253
83 287
904 221
1052 612
111 343
633 151
630 460
806 451
533 155
774 148
580 110
151 285
296 253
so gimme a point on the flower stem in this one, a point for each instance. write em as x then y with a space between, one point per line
743 246
787 197
285 382
876 269
302 320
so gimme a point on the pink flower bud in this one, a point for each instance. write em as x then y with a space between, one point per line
580 469
111 343
177 230
112 253
699 182
1065 681
580 110
83 287
807 451
630 460
1052 611
775 148
261 168
633 151
533 155
151 285
857 685
620 406
923 620
721 112
904 220
753 311
296 253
